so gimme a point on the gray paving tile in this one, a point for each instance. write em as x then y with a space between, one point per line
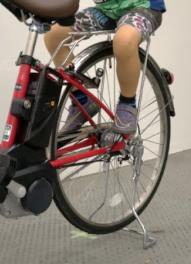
50 239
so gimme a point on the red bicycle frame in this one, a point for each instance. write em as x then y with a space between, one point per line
12 124
60 162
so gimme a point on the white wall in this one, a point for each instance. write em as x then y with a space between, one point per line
170 47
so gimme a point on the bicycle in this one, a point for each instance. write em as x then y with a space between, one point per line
89 173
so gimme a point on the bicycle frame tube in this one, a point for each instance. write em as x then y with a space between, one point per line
61 162
88 142
74 82
12 123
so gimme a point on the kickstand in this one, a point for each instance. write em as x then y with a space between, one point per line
148 241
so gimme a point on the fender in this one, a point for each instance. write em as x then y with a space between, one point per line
94 49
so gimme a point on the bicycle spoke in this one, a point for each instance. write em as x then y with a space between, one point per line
152 152
152 168
148 104
106 173
153 142
154 135
154 119
150 113
121 185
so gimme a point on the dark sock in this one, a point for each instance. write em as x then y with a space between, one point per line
80 96
128 100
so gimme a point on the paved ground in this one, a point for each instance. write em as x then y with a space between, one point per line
50 239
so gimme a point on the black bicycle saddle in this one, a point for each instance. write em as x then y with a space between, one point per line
49 8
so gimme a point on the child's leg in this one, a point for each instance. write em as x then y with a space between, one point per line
133 28
125 47
89 19
52 40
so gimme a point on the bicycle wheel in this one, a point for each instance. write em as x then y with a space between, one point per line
95 195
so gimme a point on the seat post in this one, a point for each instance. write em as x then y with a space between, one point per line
36 27
31 41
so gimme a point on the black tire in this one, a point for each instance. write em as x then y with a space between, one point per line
74 211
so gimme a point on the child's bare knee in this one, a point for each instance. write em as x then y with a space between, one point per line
126 41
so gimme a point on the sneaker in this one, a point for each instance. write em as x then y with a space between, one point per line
76 119
125 119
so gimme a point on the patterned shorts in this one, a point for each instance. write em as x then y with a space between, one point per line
92 19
